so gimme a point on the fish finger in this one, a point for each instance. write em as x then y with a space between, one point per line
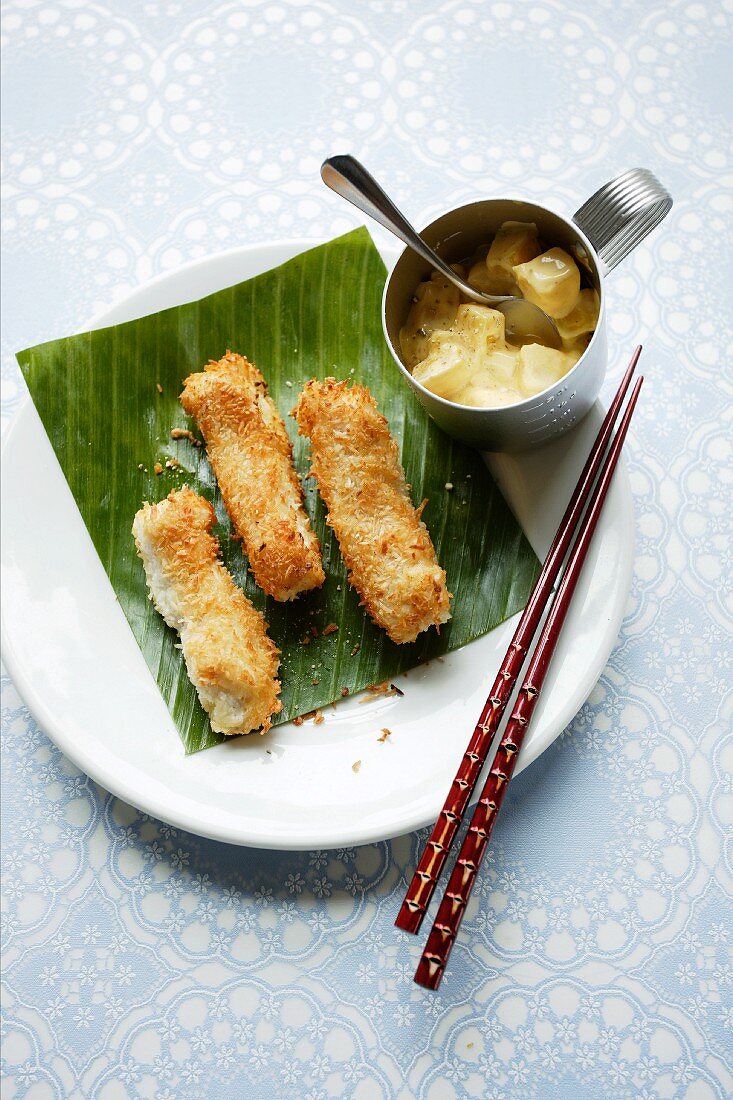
385 545
252 458
230 659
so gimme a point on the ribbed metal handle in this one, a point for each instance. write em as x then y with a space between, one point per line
622 213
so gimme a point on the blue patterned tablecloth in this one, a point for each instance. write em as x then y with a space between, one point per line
143 962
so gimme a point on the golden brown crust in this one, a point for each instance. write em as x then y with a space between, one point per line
384 543
252 457
230 659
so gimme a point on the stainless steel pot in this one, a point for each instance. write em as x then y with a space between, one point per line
600 234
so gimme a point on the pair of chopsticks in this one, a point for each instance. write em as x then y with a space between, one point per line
576 527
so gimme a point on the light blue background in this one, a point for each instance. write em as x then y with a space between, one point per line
596 962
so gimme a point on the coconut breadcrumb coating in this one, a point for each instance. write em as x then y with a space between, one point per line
230 659
384 543
252 458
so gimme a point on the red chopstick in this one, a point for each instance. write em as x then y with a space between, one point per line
450 912
435 853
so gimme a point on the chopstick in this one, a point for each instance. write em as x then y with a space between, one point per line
435 853
455 900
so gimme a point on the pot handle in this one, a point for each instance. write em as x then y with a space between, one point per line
622 213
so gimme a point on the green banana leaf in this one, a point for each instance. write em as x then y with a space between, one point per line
109 399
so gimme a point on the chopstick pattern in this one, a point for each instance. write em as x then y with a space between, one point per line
436 851
453 906
438 846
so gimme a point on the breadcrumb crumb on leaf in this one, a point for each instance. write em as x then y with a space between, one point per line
230 659
385 544
252 458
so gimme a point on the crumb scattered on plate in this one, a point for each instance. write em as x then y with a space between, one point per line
185 433
356 765
381 691
314 714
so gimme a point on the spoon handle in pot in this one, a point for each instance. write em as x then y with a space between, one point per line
525 322
349 178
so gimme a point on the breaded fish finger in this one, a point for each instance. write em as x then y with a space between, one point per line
251 455
384 543
230 659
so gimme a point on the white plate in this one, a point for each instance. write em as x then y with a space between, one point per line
70 651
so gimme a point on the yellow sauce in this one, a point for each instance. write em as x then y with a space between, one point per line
458 350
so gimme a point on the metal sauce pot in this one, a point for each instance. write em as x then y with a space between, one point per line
600 234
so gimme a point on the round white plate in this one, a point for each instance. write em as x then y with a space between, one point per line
74 660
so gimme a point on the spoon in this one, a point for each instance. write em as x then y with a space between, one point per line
525 322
